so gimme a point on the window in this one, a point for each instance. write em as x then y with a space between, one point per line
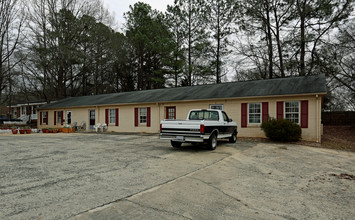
34 109
171 112
204 115
59 116
112 116
292 111
44 117
225 117
254 113
216 106
142 115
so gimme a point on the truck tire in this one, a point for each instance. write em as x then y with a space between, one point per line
233 138
175 144
212 141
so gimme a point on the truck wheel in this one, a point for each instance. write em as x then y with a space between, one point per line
212 141
233 138
175 144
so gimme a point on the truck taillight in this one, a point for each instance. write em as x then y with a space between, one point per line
161 128
202 129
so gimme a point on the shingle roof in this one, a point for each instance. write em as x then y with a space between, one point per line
314 84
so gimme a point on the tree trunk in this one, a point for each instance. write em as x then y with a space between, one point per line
279 49
189 49
269 39
302 13
218 45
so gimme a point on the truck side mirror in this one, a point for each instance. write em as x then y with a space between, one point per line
230 120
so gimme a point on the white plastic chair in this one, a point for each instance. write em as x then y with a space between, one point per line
97 127
104 127
82 126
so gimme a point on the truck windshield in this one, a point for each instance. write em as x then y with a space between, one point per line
204 115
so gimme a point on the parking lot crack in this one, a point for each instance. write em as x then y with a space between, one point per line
158 210
218 189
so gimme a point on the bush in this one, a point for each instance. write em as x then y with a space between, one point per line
281 130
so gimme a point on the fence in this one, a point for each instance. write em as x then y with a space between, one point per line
338 118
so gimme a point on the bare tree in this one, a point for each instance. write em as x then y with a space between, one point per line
337 60
11 26
56 52
314 20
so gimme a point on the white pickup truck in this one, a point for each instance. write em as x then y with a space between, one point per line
201 125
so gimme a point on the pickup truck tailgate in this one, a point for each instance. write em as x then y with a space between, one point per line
180 125
181 130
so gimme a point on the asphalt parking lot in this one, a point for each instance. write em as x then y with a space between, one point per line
115 176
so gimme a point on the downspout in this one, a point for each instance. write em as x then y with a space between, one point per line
159 114
317 119
98 115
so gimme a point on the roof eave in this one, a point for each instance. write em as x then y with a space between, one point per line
189 100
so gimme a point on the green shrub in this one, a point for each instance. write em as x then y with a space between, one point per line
281 130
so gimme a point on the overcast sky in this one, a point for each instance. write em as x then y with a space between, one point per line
118 7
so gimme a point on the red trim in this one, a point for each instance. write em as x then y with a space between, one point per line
244 115
135 117
47 118
61 117
106 116
304 114
40 118
55 118
148 117
265 109
117 122
280 110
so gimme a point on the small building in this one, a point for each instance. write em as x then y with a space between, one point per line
24 109
248 103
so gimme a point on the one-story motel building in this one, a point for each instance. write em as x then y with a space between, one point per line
248 103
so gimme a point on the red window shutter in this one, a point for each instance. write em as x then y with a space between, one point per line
61 117
304 114
47 118
167 112
106 116
244 115
40 118
280 110
148 117
55 117
174 112
136 117
265 113
116 117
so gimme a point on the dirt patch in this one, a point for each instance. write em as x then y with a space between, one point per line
339 138
334 137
